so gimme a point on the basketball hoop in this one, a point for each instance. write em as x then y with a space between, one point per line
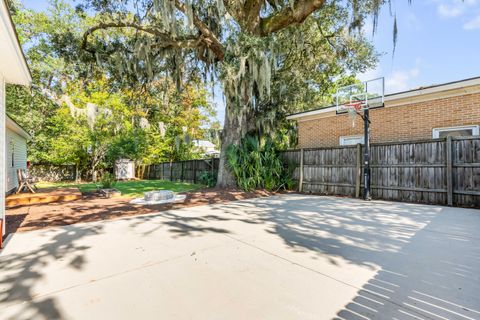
357 99
353 109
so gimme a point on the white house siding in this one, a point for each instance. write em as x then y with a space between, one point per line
13 69
2 150
16 146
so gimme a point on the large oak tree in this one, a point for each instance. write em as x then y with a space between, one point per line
244 44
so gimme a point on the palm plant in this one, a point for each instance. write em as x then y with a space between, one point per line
257 165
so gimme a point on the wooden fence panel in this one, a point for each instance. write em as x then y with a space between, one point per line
414 171
182 171
330 170
428 171
292 158
466 171
409 171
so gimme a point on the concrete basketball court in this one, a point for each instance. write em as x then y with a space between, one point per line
282 257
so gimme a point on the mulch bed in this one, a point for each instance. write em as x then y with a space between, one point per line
93 208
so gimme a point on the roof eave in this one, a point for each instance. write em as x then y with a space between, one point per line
15 127
465 83
24 76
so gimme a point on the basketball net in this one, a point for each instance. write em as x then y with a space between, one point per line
353 109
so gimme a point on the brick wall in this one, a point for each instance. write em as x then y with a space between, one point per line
400 123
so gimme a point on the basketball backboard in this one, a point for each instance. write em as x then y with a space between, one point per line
369 93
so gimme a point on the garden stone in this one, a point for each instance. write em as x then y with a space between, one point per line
158 197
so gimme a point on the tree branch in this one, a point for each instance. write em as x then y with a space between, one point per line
233 8
252 13
301 10
166 39
246 13
209 38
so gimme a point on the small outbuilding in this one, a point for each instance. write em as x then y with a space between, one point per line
124 169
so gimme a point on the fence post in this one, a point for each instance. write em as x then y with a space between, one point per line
448 147
195 171
171 171
213 165
182 172
358 171
300 182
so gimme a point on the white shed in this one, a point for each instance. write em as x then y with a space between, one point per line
16 152
124 169
13 69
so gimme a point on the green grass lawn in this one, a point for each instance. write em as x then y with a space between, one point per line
131 189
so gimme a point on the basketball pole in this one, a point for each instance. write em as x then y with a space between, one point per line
366 155
354 99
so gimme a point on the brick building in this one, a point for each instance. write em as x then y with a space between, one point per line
428 112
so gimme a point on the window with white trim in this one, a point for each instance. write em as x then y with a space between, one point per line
459 131
351 140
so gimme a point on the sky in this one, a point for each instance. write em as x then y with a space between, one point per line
438 42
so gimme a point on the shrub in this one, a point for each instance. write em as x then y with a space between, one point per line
108 180
259 166
208 178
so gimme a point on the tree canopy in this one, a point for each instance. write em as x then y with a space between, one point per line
78 114
158 57
260 51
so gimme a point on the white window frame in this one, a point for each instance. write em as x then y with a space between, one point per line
344 138
474 128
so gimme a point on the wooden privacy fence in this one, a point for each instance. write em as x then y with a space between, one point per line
438 171
186 171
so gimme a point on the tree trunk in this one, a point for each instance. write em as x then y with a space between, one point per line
77 173
94 174
234 130
94 168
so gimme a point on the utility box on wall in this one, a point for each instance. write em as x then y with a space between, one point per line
124 169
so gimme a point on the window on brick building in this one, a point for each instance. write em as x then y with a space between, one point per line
459 131
351 140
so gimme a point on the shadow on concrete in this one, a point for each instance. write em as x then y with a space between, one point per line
428 257
434 276
23 270
178 225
